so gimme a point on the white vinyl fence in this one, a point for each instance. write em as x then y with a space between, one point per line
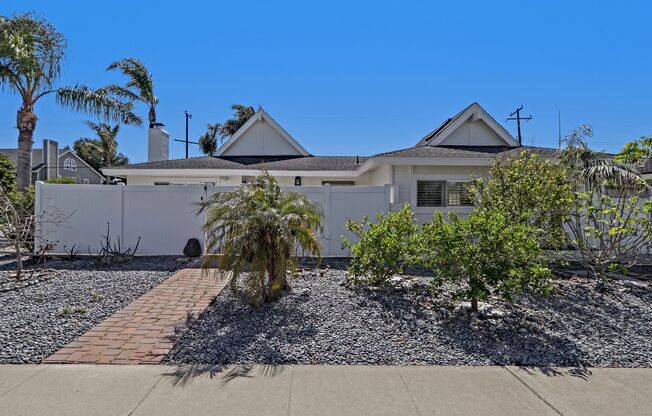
164 217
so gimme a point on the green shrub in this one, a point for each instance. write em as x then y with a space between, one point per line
531 189
486 254
62 180
7 174
383 247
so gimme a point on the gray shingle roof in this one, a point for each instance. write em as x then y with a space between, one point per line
341 163
465 151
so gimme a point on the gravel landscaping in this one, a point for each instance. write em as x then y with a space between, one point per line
66 300
322 321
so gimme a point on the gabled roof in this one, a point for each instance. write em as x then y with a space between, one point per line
472 112
259 116
466 151
308 163
79 158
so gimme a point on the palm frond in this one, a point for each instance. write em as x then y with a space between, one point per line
97 103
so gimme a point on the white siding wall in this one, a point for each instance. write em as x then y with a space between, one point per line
260 139
474 132
405 181
165 216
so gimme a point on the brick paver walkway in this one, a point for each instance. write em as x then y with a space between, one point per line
143 332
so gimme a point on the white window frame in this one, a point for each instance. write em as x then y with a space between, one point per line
438 177
70 164
86 181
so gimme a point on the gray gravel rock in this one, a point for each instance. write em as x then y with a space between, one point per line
37 320
322 321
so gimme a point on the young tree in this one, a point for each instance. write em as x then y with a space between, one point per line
255 230
140 86
103 151
531 189
31 51
485 254
384 247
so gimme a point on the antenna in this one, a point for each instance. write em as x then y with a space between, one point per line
518 119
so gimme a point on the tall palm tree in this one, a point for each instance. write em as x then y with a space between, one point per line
31 51
140 86
256 229
208 141
241 114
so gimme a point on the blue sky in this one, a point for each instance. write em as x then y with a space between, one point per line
359 77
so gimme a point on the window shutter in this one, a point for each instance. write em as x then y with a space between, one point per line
458 194
430 193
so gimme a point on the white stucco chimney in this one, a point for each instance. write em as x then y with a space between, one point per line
158 143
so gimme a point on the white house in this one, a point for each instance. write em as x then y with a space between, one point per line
431 175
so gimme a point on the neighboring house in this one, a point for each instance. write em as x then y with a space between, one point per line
50 162
646 170
432 175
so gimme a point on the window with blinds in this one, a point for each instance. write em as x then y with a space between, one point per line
430 193
458 194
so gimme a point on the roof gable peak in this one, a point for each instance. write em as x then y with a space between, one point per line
473 126
261 135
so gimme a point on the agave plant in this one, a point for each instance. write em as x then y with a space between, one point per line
256 231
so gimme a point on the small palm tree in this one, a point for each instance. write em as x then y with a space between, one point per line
31 51
591 169
255 230
241 114
208 141
106 145
140 86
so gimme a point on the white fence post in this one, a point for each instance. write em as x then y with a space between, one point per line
37 213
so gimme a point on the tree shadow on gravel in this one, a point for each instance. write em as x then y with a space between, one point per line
184 375
231 331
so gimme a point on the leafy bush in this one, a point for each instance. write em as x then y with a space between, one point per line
256 229
65 180
530 189
486 254
7 174
383 247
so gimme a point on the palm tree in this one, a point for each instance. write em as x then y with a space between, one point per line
31 51
593 170
140 86
208 141
105 147
255 229
242 113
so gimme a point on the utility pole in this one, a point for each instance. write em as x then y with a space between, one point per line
559 127
188 115
518 119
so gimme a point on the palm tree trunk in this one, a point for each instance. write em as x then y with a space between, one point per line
26 123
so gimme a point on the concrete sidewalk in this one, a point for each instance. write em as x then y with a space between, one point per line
89 390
